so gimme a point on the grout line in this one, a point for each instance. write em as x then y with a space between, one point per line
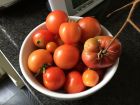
8 36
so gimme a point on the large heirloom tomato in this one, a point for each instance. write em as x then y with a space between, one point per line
94 55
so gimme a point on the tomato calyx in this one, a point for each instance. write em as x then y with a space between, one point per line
42 69
101 54
38 42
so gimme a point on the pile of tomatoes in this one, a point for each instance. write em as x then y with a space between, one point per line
70 53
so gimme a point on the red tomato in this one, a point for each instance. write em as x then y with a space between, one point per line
53 78
74 83
66 56
93 55
55 19
90 78
42 37
90 28
51 46
70 32
38 58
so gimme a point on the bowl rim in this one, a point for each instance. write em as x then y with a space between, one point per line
67 96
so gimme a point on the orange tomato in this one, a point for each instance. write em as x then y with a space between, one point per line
70 32
51 46
90 78
66 56
38 58
55 19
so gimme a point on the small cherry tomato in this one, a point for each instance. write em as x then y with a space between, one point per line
42 37
38 58
55 19
51 46
66 56
90 28
70 32
90 78
53 78
74 82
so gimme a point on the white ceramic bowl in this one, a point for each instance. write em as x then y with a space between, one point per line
27 47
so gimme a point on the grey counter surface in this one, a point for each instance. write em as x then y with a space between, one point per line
124 89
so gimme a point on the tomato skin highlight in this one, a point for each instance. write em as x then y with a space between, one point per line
66 56
70 32
55 19
53 78
38 58
90 78
74 82
42 37
90 28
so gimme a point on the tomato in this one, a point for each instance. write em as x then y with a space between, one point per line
90 28
38 58
70 32
66 56
94 56
90 78
51 46
53 78
55 19
42 37
74 83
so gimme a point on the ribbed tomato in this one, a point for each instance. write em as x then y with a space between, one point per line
94 56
